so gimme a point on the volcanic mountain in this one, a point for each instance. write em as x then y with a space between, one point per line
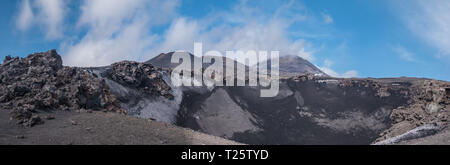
295 65
163 60
309 109
288 65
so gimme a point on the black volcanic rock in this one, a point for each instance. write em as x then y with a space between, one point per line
140 76
39 82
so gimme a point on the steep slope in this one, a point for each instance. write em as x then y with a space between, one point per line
163 61
294 66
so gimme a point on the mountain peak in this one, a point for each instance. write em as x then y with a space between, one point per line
295 65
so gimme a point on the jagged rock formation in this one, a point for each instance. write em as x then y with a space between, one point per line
39 82
143 90
140 76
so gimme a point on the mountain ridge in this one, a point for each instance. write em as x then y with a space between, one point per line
289 65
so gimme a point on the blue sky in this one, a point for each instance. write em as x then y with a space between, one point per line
364 38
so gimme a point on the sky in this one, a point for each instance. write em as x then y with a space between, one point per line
348 38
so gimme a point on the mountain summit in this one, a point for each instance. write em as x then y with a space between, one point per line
289 65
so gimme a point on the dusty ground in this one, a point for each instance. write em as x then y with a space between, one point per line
101 128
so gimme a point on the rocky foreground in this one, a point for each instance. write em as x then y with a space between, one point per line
40 83
71 105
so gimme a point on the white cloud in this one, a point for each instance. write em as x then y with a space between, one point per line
114 30
180 36
252 32
404 53
127 44
117 30
25 16
327 69
327 18
105 17
350 74
306 55
260 36
49 15
430 20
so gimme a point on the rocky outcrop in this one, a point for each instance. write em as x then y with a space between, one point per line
140 76
39 82
429 103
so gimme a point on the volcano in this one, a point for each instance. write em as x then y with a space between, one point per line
310 108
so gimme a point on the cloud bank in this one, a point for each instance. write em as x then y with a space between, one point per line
430 20
404 53
48 15
25 16
107 31
117 30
